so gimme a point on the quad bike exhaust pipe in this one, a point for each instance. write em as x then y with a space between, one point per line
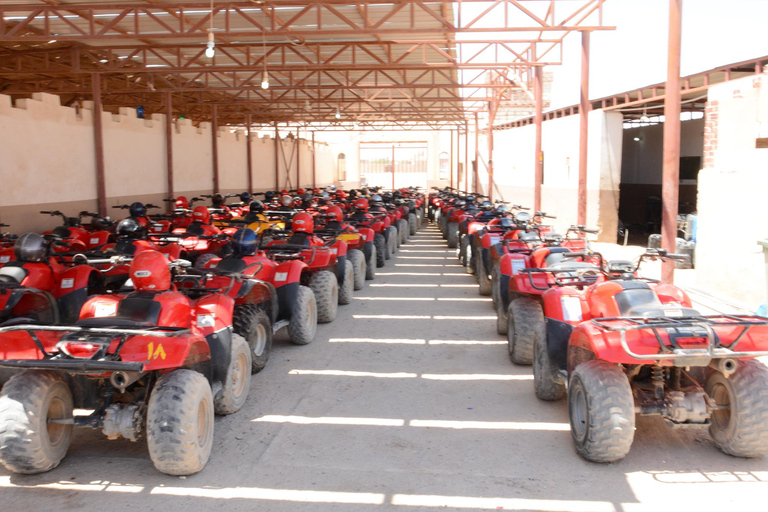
726 366
122 380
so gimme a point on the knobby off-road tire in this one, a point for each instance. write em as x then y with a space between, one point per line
526 326
180 423
253 324
204 259
502 319
471 260
547 381
452 235
357 258
413 223
463 253
482 277
743 429
28 443
601 410
394 239
303 324
370 266
402 229
235 387
346 290
495 287
381 249
326 288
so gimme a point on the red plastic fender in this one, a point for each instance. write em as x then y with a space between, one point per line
73 279
368 233
339 248
172 250
387 222
671 294
511 264
520 283
213 313
100 306
566 305
289 272
19 344
168 352
538 256
7 255
97 238
602 299
40 276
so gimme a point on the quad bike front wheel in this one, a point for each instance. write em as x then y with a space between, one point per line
413 223
392 240
357 258
235 387
326 289
346 290
495 286
253 324
381 249
29 442
452 235
303 324
403 229
741 429
601 409
180 423
526 326
482 277
547 381
370 265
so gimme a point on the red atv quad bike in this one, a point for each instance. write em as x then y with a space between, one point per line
527 248
356 240
37 287
366 223
6 246
78 236
154 361
628 346
387 236
325 263
268 295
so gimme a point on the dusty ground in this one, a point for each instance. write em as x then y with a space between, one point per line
406 402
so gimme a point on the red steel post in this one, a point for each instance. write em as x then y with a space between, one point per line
98 145
466 155
670 181
583 128
277 160
538 119
477 155
451 166
314 174
248 155
169 148
215 147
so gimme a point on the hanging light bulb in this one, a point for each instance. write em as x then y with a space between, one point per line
644 117
265 81
338 113
210 52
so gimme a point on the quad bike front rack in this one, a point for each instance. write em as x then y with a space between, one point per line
677 328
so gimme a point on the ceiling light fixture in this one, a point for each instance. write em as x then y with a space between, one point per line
338 113
265 78
209 51
644 117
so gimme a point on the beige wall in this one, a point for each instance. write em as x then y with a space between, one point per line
48 160
733 211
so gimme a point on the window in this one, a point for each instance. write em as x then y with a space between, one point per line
444 166
341 167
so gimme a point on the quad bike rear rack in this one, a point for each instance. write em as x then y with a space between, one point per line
97 364
693 327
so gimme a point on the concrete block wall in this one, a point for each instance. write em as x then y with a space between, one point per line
732 190
48 160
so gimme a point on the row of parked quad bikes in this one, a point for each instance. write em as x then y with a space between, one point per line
156 322
613 343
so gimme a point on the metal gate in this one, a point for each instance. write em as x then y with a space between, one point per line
410 164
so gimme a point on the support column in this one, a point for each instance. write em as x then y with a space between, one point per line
98 145
491 115
583 128
393 167
451 161
314 163
277 160
215 147
169 148
248 155
538 119
670 181
466 155
477 155
298 160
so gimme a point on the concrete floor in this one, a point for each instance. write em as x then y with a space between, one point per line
406 402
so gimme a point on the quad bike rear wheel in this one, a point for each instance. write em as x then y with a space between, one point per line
346 290
392 240
370 265
452 235
203 260
547 381
326 288
357 259
526 326
470 259
482 277
741 430
303 324
253 324
502 319
601 409
28 442
235 387
402 229
381 249
495 287
180 423
413 223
